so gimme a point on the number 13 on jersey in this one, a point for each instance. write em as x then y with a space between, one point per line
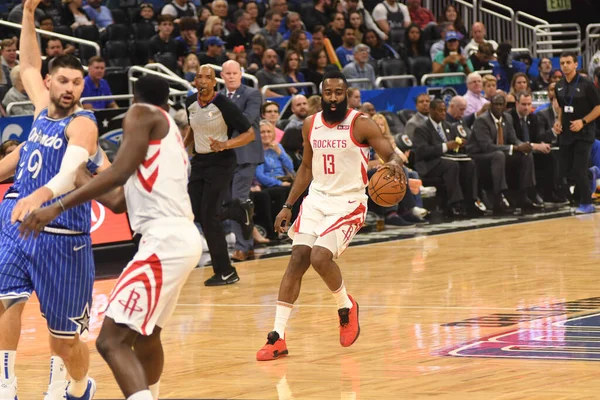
329 164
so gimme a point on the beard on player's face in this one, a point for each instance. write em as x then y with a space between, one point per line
338 113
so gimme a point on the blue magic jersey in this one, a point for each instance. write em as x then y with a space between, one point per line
40 160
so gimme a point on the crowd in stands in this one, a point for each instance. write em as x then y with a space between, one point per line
448 148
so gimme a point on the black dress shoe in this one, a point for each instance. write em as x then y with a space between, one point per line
455 212
558 200
527 204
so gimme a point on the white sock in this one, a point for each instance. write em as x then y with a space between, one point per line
7 361
58 372
141 395
281 317
154 390
77 388
341 297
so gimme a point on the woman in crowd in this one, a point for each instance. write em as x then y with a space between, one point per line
355 21
252 8
414 43
212 27
291 71
300 44
520 83
275 175
379 49
450 14
317 66
451 59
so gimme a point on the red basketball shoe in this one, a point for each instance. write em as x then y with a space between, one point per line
274 348
349 327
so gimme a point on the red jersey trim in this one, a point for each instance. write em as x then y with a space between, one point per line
154 142
312 124
358 114
334 125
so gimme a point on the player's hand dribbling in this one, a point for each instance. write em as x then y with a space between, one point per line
282 222
38 219
396 170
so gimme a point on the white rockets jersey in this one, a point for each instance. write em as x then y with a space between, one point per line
339 164
158 188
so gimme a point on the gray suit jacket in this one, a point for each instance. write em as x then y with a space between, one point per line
484 136
249 101
412 124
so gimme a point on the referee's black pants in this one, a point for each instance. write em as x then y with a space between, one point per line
574 164
210 182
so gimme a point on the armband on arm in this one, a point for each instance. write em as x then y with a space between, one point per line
64 181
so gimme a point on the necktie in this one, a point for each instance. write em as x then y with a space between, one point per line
230 95
525 129
442 136
500 133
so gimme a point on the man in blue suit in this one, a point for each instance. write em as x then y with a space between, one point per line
248 100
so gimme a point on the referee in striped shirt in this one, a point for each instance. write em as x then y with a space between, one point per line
213 119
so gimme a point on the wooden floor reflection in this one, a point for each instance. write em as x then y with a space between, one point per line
407 291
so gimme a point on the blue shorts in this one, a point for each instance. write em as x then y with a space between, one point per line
59 268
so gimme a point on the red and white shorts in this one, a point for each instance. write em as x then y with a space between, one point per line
147 291
328 221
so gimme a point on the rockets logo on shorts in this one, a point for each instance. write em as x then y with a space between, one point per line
131 304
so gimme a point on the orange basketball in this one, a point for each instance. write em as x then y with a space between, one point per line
384 190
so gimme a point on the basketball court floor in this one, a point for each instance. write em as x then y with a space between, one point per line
506 312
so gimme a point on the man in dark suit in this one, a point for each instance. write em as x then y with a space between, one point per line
495 147
527 129
434 146
455 117
248 100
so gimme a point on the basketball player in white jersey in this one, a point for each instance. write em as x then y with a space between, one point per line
336 154
152 164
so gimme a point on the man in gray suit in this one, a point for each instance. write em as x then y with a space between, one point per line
494 146
248 100
422 115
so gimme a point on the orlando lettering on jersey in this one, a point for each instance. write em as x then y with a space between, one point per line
45 140
40 160
329 144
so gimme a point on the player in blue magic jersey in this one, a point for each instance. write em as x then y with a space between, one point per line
59 265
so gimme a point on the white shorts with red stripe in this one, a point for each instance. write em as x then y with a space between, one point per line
146 293
322 216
